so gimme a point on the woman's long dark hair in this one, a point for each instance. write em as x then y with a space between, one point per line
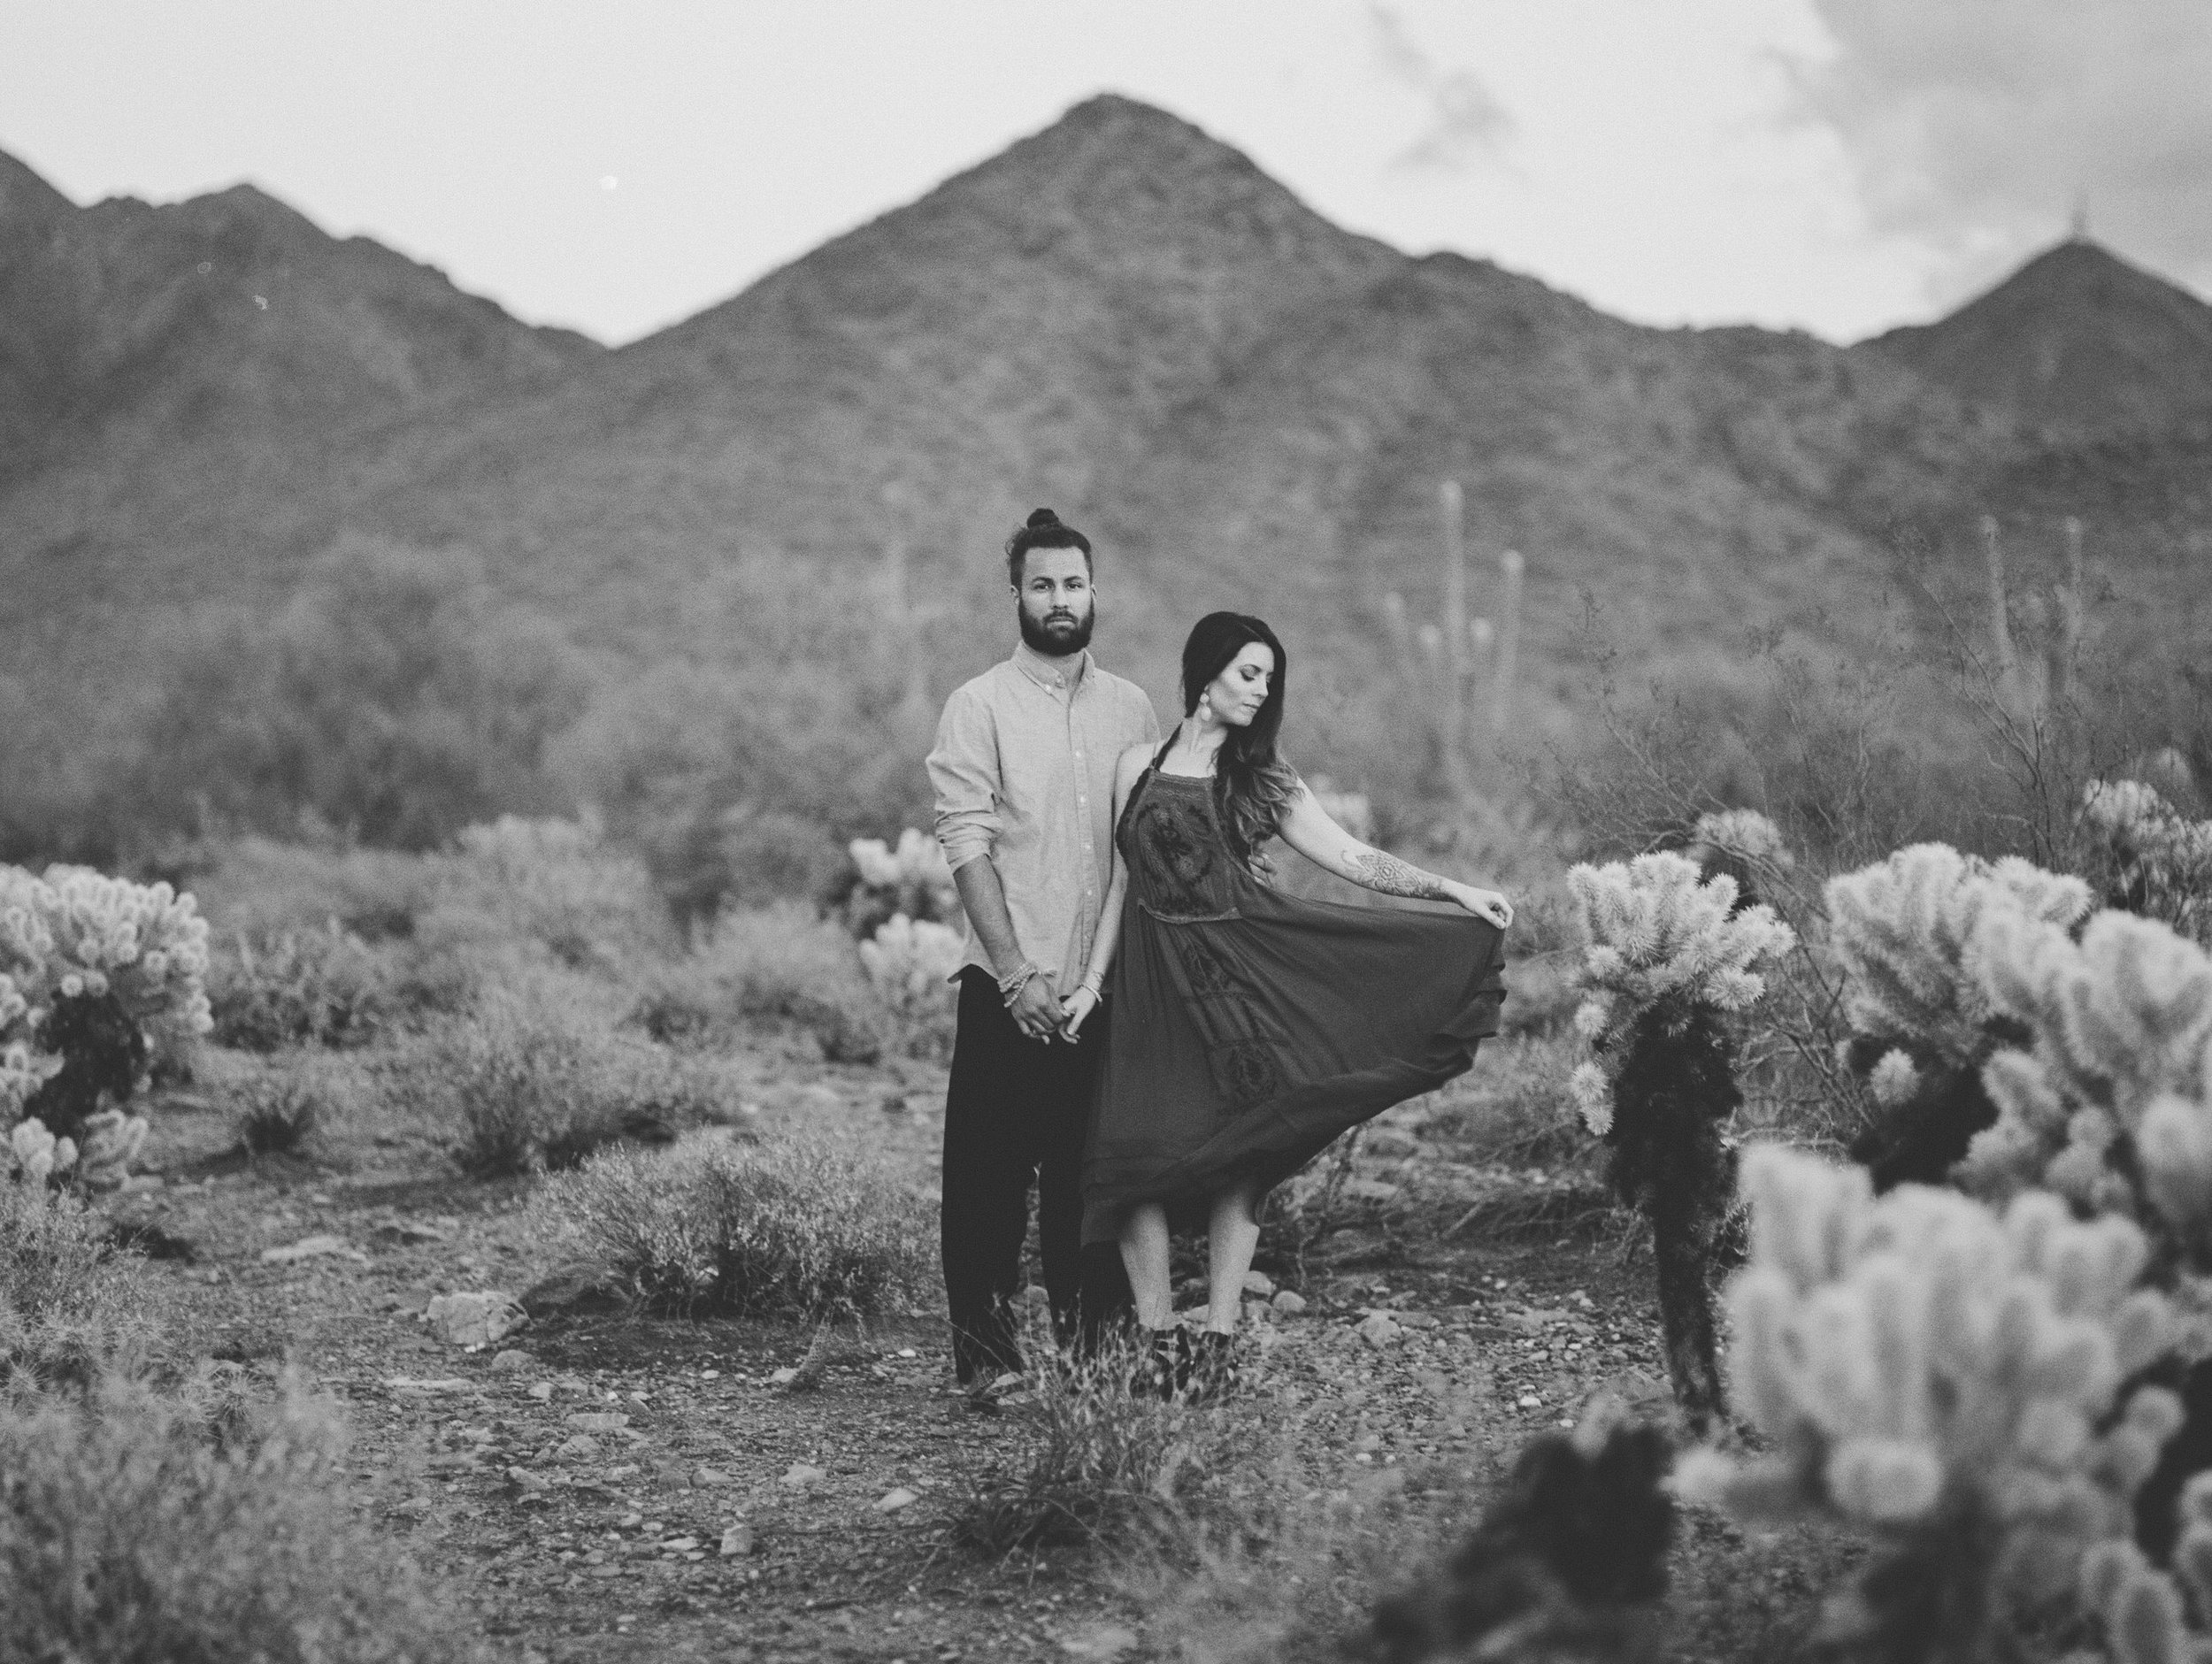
1252 785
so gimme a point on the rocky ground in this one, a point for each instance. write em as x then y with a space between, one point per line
593 1485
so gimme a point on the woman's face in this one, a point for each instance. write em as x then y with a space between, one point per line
1238 692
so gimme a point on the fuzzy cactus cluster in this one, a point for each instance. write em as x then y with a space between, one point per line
1745 833
911 960
1664 942
98 976
2109 1104
100 1159
1946 1377
886 880
1672 955
2161 860
1908 935
2145 1611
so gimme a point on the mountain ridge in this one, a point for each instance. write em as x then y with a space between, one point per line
1120 315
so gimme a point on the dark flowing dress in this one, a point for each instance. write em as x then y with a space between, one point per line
1251 1028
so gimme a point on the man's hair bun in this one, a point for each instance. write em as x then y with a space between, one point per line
1043 529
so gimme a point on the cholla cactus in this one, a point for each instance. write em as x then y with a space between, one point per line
111 1142
36 1153
1905 933
96 975
1745 834
1669 957
2112 1107
1946 1379
911 879
911 964
2161 860
2143 1609
143 943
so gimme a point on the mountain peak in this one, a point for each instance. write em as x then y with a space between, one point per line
24 194
2076 339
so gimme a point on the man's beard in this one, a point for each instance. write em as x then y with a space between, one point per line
1057 640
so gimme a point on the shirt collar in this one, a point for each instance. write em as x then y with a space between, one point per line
1063 675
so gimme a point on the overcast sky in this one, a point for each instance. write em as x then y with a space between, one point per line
1840 165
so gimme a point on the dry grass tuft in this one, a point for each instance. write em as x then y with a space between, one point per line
798 1229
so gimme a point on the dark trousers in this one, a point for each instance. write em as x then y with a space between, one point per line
1017 1110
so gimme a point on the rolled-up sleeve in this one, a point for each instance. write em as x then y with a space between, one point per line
964 774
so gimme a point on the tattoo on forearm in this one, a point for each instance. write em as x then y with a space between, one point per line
1392 877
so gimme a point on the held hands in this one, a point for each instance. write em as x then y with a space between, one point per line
1073 1009
1036 1012
1486 904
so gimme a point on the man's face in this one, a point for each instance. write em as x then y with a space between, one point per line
1055 601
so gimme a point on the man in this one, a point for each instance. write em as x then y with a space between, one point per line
1024 775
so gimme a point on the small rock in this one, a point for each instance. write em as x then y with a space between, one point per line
571 1383
1379 1330
801 1477
542 1391
407 1232
581 1285
784 1376
679 1544
1529 1401
512 1362
309 1248
1288 1303
707 1478
630 1522
1102 1641
737 1542
598 1421
1258 1282
409 1386
474 1319
413 1508
892 1502
577 1448
1415 1320
528 1481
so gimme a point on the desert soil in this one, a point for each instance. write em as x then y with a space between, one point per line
602 1487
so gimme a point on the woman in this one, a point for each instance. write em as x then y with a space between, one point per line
1251 1028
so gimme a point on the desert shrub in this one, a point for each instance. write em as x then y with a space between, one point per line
1103 1464
1954 1382
318 987
274 1114
546 889
780 963
263 888
1670 959
527 1090
796 1230
397 699
129 1532
68 1301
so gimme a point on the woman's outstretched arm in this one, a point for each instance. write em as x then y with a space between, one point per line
1307 828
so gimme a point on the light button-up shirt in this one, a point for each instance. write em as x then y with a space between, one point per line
1023 773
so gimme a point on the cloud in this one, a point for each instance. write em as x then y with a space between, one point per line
1977 128
1464 121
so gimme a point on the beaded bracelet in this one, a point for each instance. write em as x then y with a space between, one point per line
1010 990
